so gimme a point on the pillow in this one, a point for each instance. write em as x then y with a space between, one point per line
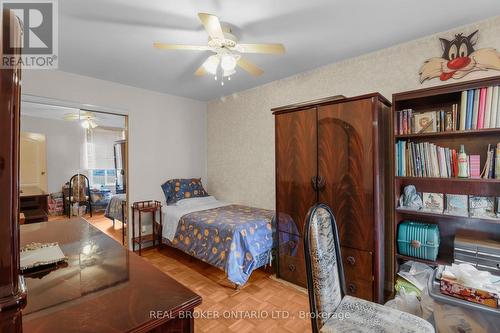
178 189
168 190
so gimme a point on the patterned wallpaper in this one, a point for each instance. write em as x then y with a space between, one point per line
240 128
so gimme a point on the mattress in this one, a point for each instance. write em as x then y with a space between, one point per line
234 238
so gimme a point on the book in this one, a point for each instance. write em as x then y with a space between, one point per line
396 158
488 166
470 107
457 204
487 108
497 161
481 110
475 108
425 122
454 161
475 166
405 122
455 121
494 108
463 110
449 120
498 109
433 202
481 207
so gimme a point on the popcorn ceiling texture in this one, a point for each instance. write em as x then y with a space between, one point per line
240 127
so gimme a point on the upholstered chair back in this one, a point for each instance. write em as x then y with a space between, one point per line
325 278
79 188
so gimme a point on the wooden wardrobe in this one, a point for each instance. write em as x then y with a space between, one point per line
335 151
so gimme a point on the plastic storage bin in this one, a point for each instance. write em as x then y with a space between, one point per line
419 240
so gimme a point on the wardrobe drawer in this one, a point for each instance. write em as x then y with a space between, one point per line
359 288
292 269
357 263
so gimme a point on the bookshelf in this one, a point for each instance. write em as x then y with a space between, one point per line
476 142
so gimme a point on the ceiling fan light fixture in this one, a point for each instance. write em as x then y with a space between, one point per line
228 62
211 64
85 124
228 73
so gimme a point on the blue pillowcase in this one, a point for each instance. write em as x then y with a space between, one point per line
178 189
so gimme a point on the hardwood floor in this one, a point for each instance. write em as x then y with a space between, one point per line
264 304
100 222
246 308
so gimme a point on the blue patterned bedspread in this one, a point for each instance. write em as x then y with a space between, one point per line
114 207
232 238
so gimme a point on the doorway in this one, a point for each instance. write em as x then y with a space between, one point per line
33 160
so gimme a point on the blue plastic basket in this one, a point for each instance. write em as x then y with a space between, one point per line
419 240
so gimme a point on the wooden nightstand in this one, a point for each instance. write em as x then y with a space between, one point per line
150 206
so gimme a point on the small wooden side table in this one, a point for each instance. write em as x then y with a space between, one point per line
149 206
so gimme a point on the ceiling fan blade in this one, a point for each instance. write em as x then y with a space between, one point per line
164 46
200 71
249 67
212 25
261 48
71 116
208 66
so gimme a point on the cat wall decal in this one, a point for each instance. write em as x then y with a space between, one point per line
460 58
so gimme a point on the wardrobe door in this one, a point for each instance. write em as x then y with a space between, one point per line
345 165
296 165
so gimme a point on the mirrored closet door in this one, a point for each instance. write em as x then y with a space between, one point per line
73 163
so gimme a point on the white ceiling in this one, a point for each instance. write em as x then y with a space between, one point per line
54 112
112 39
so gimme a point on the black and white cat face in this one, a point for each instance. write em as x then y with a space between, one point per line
459 58
460 47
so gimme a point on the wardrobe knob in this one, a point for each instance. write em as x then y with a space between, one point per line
351 260
321 183
314 182
351 287
291 267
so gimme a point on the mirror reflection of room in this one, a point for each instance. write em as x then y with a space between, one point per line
73 164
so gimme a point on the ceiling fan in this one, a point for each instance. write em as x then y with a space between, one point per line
227 50
87 118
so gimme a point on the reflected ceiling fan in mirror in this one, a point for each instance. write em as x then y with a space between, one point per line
87 118
228 52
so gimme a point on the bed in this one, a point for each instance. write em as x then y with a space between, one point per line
237 239
115 210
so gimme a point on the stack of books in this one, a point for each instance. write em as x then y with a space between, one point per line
410 122
425 159
491 168
479 109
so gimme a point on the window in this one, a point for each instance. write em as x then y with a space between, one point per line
102 177
100 156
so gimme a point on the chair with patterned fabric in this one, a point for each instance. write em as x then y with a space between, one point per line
331 309
79 192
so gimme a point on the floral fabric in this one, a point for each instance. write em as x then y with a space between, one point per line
178 189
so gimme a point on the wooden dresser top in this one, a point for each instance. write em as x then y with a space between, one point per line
103 288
